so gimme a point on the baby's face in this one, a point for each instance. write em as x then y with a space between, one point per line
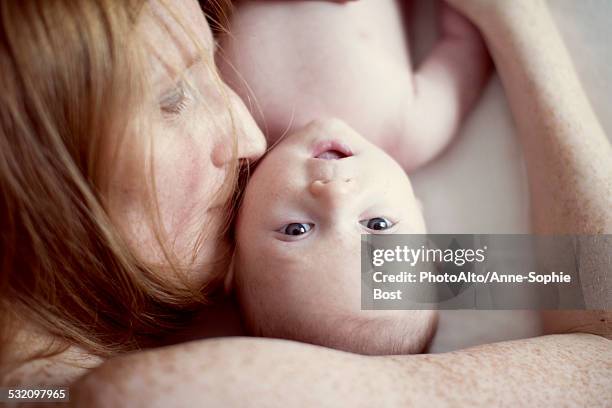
298 252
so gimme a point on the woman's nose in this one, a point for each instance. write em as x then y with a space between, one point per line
249 141
333 193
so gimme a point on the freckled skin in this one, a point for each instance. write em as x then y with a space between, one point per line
178 165
243 372
556 370
559 370
568 156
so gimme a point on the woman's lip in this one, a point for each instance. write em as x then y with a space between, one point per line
331 145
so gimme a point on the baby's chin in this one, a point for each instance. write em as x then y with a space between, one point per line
378 333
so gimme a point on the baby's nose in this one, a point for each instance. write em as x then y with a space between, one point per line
333 193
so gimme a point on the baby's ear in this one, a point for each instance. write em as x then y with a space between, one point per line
228 282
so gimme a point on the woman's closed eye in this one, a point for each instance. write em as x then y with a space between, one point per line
174 101
377 224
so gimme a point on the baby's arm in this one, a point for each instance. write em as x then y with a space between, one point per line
446 87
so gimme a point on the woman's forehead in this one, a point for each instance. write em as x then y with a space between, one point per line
176 34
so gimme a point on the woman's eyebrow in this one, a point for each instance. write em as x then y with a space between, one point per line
173 70
189 50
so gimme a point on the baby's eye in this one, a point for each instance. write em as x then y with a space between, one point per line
296 228
377 224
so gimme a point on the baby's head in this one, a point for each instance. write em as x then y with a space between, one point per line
297 266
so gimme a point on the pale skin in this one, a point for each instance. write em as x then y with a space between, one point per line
297 234
298 61
185 132
181 147
565 369
298 242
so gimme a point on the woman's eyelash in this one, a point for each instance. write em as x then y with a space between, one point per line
174 101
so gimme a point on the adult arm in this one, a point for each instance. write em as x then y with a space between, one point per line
572 369
568 159
568 156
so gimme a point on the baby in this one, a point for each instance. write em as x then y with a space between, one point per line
297 265
297 262
296 61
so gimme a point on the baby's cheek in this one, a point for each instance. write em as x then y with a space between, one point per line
384 333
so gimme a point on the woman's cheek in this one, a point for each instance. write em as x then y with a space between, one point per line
186 181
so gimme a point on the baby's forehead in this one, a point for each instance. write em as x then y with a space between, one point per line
258 174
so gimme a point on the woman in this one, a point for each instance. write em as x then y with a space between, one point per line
119 151
225 372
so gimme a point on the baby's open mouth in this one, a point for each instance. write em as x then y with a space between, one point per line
331 155
332 150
